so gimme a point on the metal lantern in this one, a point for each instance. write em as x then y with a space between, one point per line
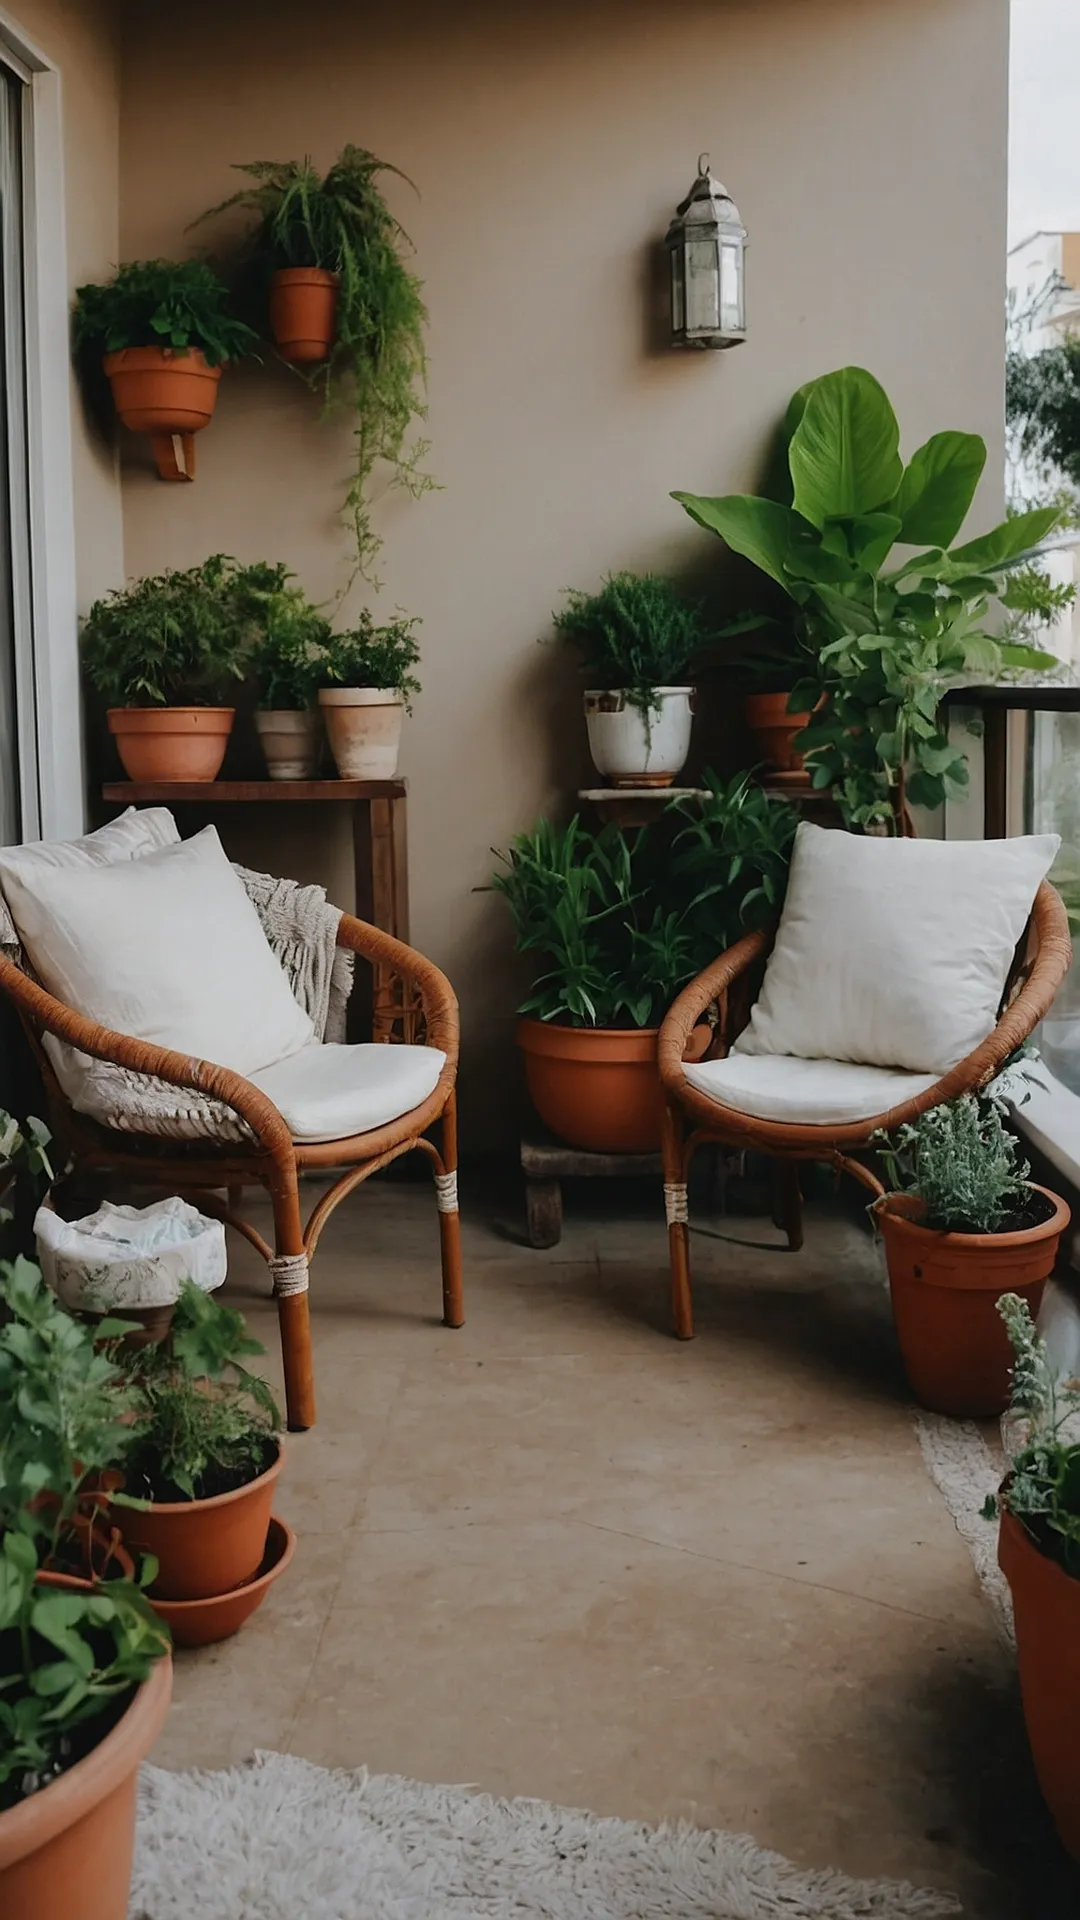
707 245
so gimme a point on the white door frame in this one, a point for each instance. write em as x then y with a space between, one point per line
60 802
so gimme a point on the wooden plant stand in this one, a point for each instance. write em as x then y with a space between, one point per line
547 1162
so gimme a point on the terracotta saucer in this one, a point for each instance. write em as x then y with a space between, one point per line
198 1623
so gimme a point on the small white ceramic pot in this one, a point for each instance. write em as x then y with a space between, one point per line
636 749
290 742
363 725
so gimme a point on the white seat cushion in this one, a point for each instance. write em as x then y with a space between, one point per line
894 953
328 1092
166 947
805 1093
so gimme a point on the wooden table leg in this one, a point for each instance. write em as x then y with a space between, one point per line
543 1212
995 772
381 876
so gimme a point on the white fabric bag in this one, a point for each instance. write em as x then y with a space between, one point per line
135 1257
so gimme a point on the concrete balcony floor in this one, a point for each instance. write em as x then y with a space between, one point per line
558 1554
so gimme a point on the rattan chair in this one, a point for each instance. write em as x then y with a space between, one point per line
725 993
413 1002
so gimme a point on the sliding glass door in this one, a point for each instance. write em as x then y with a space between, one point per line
19 795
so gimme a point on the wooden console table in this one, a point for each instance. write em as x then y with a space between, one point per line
380 847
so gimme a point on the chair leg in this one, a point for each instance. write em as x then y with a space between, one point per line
675 1206
289 1269
450 1220
788 1206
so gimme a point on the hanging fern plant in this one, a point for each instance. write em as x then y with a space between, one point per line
375 361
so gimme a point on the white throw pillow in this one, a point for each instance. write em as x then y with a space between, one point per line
128 837
894 952
167 948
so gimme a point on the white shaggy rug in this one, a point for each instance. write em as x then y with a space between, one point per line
965 1471
279 1839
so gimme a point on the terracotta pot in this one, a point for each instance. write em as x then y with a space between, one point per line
159 390
66 1851
945 1289
291 739
1046 1602
303 313
632 749
598 1087
204 1547
774 729
199 1623
163 744
363 725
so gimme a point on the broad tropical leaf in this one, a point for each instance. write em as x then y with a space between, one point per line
844 454
938 487
1013 540
761 530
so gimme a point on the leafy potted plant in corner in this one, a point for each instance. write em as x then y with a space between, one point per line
286 660
164 331
886 634
162 652
962 1227
365 689
325 254
637 637
619 922
85 1675
200 1461
1038 1509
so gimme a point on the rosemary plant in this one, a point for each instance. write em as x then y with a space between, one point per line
637 633
1043 1487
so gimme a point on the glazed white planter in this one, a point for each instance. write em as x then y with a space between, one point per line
290 742
634 749
363 725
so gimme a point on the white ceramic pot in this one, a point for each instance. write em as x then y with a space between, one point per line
363 725
290 742
634 749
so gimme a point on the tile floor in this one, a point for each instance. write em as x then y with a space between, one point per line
557 1553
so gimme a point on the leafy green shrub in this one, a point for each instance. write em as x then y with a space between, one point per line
179 638
377 365
202 1423
963 1162
289 635
884 641
1042 1489
371 656
69 1661
161 303
621 920
638 632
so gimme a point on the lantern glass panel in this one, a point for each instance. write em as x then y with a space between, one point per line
732 308
678 291
702 284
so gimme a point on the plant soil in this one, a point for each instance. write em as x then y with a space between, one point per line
75 1745
144 1481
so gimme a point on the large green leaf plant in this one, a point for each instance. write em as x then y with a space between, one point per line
888 611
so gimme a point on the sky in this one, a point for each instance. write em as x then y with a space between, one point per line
1044 134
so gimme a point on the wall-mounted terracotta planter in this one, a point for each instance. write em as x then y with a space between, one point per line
363 726
1046 1603
598 1087
291 740
303 313
168 394
66 1850
171 743
945 1290
773 729
204 1547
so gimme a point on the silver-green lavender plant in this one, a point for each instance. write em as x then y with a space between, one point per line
1043 1486
963 1162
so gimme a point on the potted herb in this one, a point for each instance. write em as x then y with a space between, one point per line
85 1677
325 252
286 660
164 331
962 1227
162 653
202 1456
1038 1507
886 635
366 685
618 922
637 637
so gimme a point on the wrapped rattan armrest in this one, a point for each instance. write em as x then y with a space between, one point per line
437 996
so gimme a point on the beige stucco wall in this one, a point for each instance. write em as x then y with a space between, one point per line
865 144
81 39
